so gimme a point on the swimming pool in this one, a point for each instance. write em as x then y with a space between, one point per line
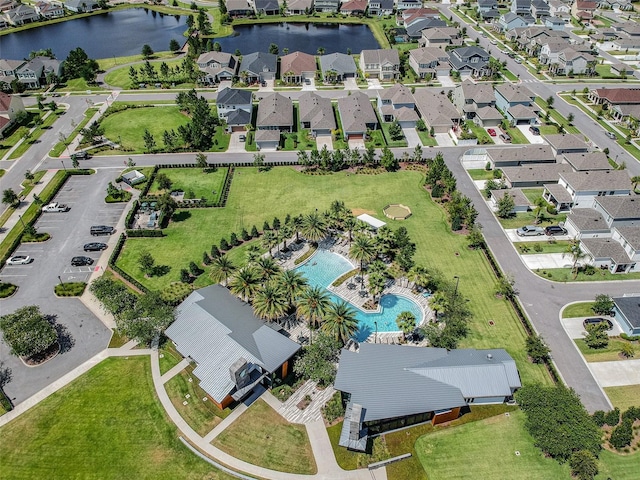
324 267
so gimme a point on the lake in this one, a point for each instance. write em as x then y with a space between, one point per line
110 34
304 37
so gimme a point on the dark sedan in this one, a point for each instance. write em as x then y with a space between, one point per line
81 261
597 321
94 247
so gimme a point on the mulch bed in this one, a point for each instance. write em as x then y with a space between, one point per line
42 357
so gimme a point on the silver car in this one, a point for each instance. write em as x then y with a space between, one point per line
19 260
530 230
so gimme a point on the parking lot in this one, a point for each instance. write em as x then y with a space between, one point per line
83 334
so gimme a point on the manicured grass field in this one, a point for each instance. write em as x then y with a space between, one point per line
582 309
487 449
107 424
201 415
618 467
262 437
517 137
128 126
168 356
426 139
203 184
120 76
480 174
566 275
624 397
609 354
259 196
533 248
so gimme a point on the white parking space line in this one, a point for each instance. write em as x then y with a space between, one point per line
5 275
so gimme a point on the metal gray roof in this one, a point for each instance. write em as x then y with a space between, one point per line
259 62
425 379
215 329
234 96
338 62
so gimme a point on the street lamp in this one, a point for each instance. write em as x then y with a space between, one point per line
65 168
375 339
455 292
21 221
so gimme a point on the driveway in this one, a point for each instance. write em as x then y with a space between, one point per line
412 137
351 84
324 140
374 84
82 334
616 374
444 140
445 81
546 260
356 143
513 236
235 145
311 86
530 136
575 329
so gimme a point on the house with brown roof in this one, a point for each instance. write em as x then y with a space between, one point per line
300 7
428 62
566 143
356 115
354 7
436 110
217 67
239 8
10 107
316 114
380 63
275 115
536 175
521 155
397 103
583 9
615 96
297 66
50 9
469 97
585 186
440 37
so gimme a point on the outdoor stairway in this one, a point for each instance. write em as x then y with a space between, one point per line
313 412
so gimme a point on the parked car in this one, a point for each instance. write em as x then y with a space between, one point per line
555 230
81 155
81 261
529 230
55 207
611 135
101 230
492 132
505 137
242 138
597 321
534 130
518 60
94 247
19 260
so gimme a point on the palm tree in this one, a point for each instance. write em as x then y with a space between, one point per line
253 253
349 224
269 240
635 181
406 322
312 304
297 223
292 283
266 268
245 283
540 204
270 302
314 228
377 282
419 276
284 233
363 250
438 303
9 197
221 268
575 252
340 321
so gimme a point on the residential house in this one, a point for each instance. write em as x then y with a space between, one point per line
336 67
488 117
380 63
621 69
521 7
316 114
6 5
488 9
540 8
239 8
536 175
354 7
572 62
509 21
627 312
533 154
509 95
554 23
559 8
558 196
275 115
267 7
397 104
234 351
50 9
8 69
619 211
235 106
587 161
297 66
585 186
610 254
327 5
435 385
583 223
566 143
381 7
473 61
583 9
81 6
258 67
521 115
521 203
622 5
469 97
217 67
407 16
428 62
630 29
37 71
415 27
300 7
10 107
408 4
550 50
356 115
22 14
615 96
436 110
440 37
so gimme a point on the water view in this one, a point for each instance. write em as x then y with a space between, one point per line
111 34
304 37
324 267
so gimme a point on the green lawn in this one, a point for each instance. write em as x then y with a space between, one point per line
529 218
480 174
556 117
533 248
300 140
120 76
566 275
128 126
517 137
262 437
581 309
202 184
426 139
533 194
78 85
107 424
487 449
624 397
609 354
619 467
509 76
392 143
60 147
168 356
483 137
201 415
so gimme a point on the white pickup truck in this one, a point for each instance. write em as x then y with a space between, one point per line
55 207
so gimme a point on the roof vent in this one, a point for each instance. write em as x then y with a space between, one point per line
489 356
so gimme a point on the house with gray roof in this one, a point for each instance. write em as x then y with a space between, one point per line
521 155
235 106
587 161
275 113
509 95
469 97
239 8
316 114
356 115
533 175
37 71
509 21
233 350
558 196
566 143
337 66
300 7
585 186
382 63
471 60
586 223
381 7
22 14
10 107
440 37
619 211
258 67
488 117
521 203
267 7
81 6
217 67
416 27
397 103
428 62
436 110
606 253
327 5
627 312
386 387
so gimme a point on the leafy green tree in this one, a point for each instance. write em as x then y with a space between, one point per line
194 269
167 205
506 204
406 322
340 321
475 237
9 197
603 305
597 337
313 228
27 331
318 360
146 262
377 283
267 268
163 181
273 48
363 250
389 161
584 465
395 131
269 240
114 296
79 65
254 232
147 51
149 141
146 319
537 349
174 46
292 283
550 101
201 161
504 286
439 303
622 435
576 254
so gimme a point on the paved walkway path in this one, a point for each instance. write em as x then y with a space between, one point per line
22 140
